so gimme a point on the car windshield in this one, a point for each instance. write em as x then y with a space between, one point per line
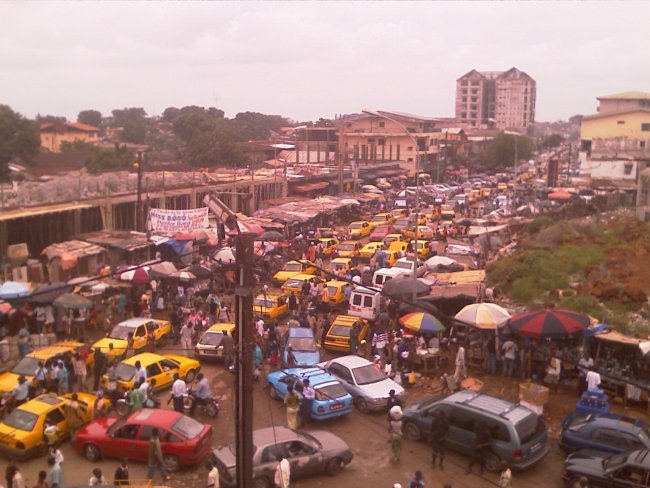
211 339
338 266
381 229
302 344
340 330
21 420
613 462
379 218
529 427
311 440
26 366
367 374
388 240
124 372
356 225
263 302
331 290
346 247
293 283
292 267
403 265
187 427
120 332
330 391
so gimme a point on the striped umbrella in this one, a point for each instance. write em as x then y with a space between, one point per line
548 323
14 289
421 322
72 300
137 276
484 315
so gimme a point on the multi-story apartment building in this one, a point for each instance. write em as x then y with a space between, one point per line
501 99
52 135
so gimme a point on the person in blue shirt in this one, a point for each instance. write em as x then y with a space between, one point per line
202 394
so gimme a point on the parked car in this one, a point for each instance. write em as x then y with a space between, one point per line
630 469
209 345
293 268
335 293
423 232
604 432
348 249
338 334
270 306
370 249
184 441
140 328
409 264
359 229
21 432
381 219
368 385
381 231
303 345
331 398
519 435
308 453
295 283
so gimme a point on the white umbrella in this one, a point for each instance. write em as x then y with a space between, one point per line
436 261
484 315
183 276
224 255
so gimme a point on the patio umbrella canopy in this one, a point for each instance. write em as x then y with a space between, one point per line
72 300
45 294
4 308
13 289
399 287
484 315
161 270
271 235
436 261
552 323
224 256
422 322
182 276
137 276
199 271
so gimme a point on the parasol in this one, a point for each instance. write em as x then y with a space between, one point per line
199 271
137 276
548 323
45 294
422 322
161 270
72 300
484 315
182 276
399 287
13 289
225 255
271 235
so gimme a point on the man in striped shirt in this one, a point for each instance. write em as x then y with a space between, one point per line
379 341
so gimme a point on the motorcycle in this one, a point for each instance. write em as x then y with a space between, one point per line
6 405
210 408
123 406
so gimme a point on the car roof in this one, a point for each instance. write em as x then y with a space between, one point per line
220 327
351 361
316 375
341 260
134 322
614 421
48 352
361 289
499 407
42 404
346 320
272 435
144 358
155 416
302 276
336 283
300 332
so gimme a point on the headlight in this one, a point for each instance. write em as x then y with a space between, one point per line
377 400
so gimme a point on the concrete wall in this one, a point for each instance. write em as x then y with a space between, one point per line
623 125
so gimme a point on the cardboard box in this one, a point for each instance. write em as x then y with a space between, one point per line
533 394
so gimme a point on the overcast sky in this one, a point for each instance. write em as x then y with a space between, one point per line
306 60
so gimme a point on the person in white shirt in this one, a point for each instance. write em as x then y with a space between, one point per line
509 350
584 366
553 372
461 368
282 473
259 327
179 389
213 475
140 373
593 380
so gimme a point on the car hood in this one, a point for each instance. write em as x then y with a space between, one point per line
97 428
225 456
329 441
103 344
381 388
306 358
586 461
8 381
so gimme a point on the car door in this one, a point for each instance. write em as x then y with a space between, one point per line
56 417
425 420
123 443
268 461
154 372
155 328
345 376
304 459
168 368
461 429
140 337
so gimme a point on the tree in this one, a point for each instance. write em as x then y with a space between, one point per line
19 139
500 153
554 140
50 119
90 117
102 159
134 124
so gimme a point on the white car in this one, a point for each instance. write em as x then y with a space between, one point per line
368 385
408 265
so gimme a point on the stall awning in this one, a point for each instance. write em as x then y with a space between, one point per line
310 187
613 336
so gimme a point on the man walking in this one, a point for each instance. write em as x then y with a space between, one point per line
292 402
186 337
483 437
461 368
179 389
99 367
155 458
439 429
227 344
308 395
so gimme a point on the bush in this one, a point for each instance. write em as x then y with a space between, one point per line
539 223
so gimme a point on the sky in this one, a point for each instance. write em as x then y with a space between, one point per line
306 60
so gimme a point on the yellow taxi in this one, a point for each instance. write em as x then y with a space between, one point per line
338 334
28 365
369 250
335 295
330 244
486 192
292 268
140 327
447 213
209 345
160 368
502 186
340 266
22 431
422 247
477 194
423 232
270 306
347 249
399 212
381 219
295 283
393 255
390 238
359 229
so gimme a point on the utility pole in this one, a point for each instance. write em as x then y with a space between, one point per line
244 365
138 209
341 152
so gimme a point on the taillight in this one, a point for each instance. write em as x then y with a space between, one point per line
320 409
565 473
517 454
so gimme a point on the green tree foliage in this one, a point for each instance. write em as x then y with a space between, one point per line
19 139
134 123
253 125
50 119
500 153
120 157
554 140
90 117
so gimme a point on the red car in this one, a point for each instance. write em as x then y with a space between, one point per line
380 232
184 441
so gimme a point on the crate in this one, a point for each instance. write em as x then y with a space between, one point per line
533 394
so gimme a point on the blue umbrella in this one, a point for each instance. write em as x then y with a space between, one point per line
13 289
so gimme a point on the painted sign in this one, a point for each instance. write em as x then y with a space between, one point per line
162 220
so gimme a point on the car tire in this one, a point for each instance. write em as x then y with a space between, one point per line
492 462
262 482
211 410
361 405
334 466
412 432
162 342
92 453
189 377
122 408
273 392
171 462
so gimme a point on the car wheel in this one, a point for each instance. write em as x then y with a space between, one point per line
162 342
412 432
122 408
361 405
334 466
211 409
189 377
92 453
262 482
273 393
172 464
492 462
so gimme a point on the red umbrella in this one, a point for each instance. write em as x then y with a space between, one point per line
548 323
560 194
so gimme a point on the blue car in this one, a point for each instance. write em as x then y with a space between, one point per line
331 398
303 347
604 432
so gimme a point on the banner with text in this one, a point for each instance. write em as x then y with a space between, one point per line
162 220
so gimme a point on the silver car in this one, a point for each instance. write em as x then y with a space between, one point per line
364 381
308 453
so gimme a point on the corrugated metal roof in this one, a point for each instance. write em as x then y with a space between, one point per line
628 95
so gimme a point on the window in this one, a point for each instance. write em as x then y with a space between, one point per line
271 453
145 432
367 301
642 144
152 326
620 122
632 442
464 99
140 331
127 432
153 370
55 417
645 127
168 365
167 436
606 436
410 160
463 115
356 299
342 372
627 168
298 449
382 124
410 148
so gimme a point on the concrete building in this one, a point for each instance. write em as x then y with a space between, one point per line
52 135
501 99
